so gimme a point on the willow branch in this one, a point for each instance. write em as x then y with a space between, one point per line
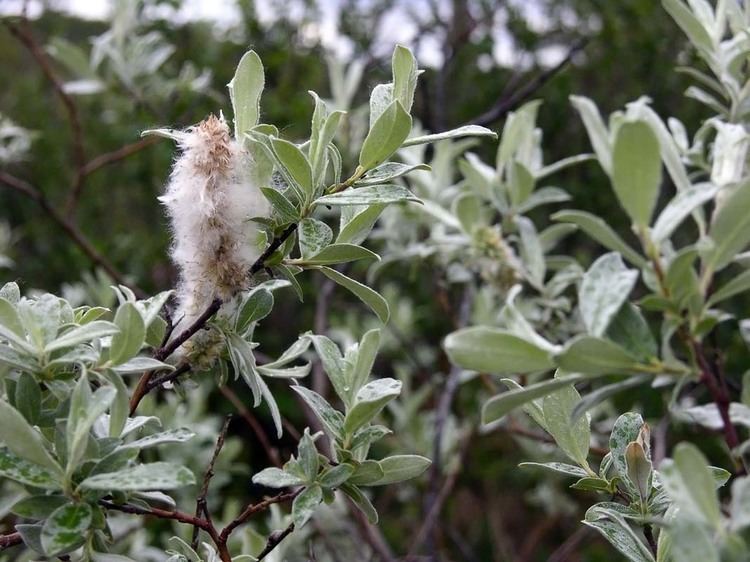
506 104
23 33
68 226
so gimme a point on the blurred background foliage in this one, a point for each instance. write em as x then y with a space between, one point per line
477 55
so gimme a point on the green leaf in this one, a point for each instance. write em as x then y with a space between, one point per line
149 476
677 210
12 329
521 183
16 468
498 406
340 253
361 501
596 129
332 419
366 353
596 356
692 542
371 298
179 435
355 228
386 135
402 467
405 74
572 437
616 530
38 507
532 254
85 408
335 476
636 170
128 341
245 90
601 394
630 330
305 505
81 334
284 208
625 431
367 473
296 165
559 467
140 364
308 457
369 401
605 287
120 408
23 440
465 131
690 25
256 307
314 236
738 285
28 397
334 365
602 233
389 171
639 470
492 350
276 478
730 227
66 528
369 195
688 481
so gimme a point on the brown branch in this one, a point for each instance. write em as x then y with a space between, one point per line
143 387
9 540
175 515
247 415
67 225
117 155
201 504
506 104
252 509
23 33
274 540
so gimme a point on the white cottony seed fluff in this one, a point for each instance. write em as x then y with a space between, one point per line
210 199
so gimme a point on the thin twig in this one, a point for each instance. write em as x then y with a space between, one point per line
143 387
201 504
23 33
70 228
117 155
252 509
506 104
274 540
9 540
247 415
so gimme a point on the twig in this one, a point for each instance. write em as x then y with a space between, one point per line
143 387
252 509
562 554
247 415
275 540
117 155
372 535
70 228
431 517
506 104
441 415
24 35
201 504
9 540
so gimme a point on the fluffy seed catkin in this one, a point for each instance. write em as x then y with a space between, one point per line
210 199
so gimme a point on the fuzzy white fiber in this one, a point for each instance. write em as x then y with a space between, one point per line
210 199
